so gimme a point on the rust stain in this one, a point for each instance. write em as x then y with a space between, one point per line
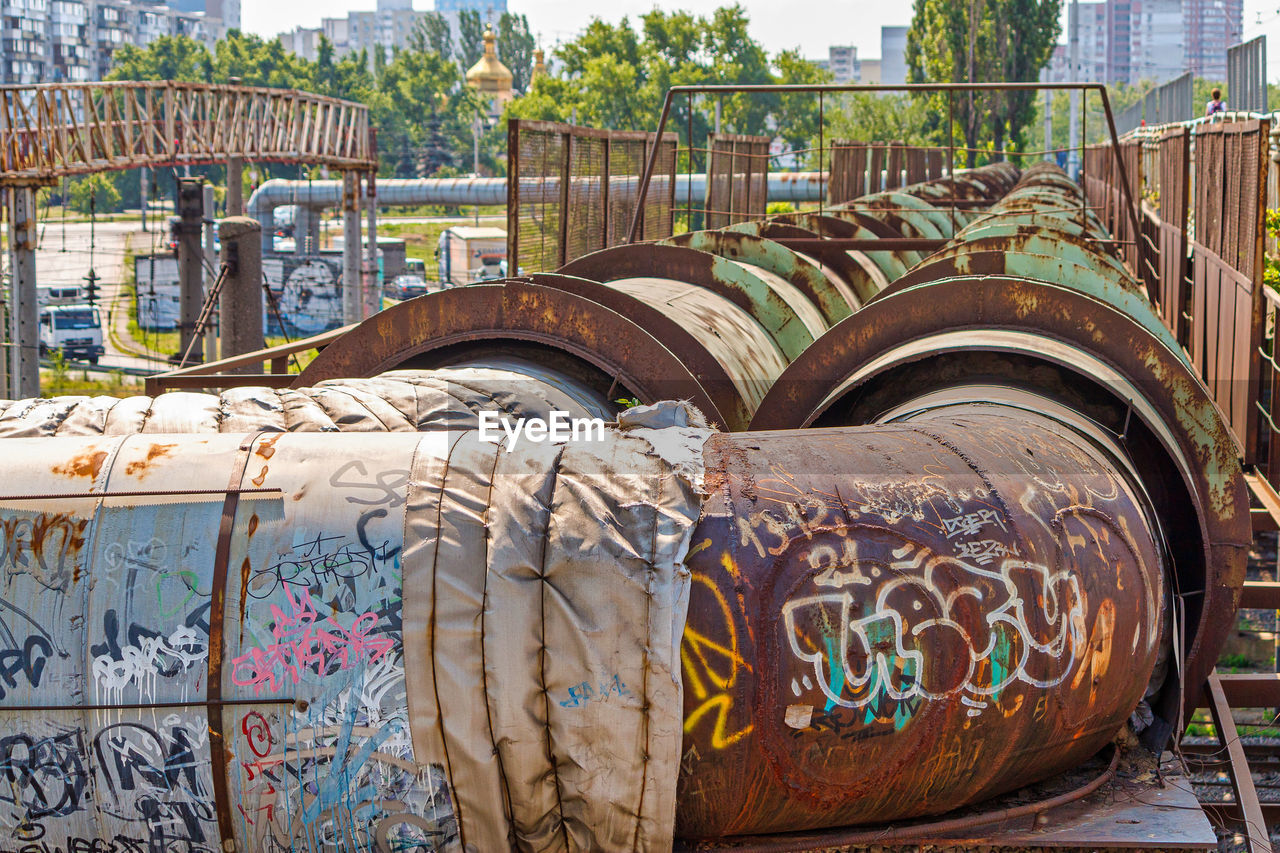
253 525
267 447
86 464
262 476
244 586
138 467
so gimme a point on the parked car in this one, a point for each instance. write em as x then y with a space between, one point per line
407 286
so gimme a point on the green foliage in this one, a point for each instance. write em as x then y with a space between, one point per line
166 58
470 38
981 41
515 48
614 75
1271 269
432 33
776 207
1235 661
94 193
865 117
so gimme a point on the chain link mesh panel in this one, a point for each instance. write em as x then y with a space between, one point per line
737 178
574 189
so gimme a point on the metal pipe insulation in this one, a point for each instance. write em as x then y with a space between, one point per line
403 192
875 614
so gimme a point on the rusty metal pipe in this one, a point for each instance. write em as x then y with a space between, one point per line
945 594
896 620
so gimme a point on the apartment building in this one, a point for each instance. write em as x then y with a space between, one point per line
73 41
1131 41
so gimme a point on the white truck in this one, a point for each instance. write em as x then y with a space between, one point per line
74 329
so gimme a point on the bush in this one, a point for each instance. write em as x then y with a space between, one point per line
95 191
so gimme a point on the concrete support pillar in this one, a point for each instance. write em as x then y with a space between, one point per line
306 230
210 275
301 229
24 312
372 285
190 262
242 294
235 186
352 303
144 189
267 222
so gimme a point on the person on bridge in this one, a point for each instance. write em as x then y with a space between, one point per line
1216 104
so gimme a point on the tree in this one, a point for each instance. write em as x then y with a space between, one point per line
515 49
470 37
432 34
981 41
94 193
797 115
165 58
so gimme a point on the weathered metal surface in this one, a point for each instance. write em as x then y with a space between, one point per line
213 673
896 620
781 311
834 624
611 350
824 288
398 401
52 130
863 276
901 345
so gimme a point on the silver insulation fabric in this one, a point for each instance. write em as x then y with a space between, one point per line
399 401
428 641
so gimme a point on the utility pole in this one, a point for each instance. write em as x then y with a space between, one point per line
971 121
24 313
190 258
210 264
235 176
372 290
1048 116
352 307
143 189
1073 133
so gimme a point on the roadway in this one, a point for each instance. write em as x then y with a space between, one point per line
63 257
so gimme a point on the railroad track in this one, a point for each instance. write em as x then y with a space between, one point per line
1209 764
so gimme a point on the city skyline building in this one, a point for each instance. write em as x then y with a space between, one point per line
1132 41
73 41
847 67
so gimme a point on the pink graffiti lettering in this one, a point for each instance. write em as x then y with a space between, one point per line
305 644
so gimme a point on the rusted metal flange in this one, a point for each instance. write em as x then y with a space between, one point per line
786 315
829 294
1186 456
725 405
512 311
862 276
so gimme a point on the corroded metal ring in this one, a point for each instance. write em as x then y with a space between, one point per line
1049 324
513 310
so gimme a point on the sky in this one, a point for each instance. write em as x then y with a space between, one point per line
811 25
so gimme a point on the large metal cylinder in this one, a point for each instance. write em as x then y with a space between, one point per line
884 622
898 620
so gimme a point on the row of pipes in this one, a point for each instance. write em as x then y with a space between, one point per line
964 512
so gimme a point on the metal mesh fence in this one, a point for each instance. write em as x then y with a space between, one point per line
1247 75
858 168
737 178
572 191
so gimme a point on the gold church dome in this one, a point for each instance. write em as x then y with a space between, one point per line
489 74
